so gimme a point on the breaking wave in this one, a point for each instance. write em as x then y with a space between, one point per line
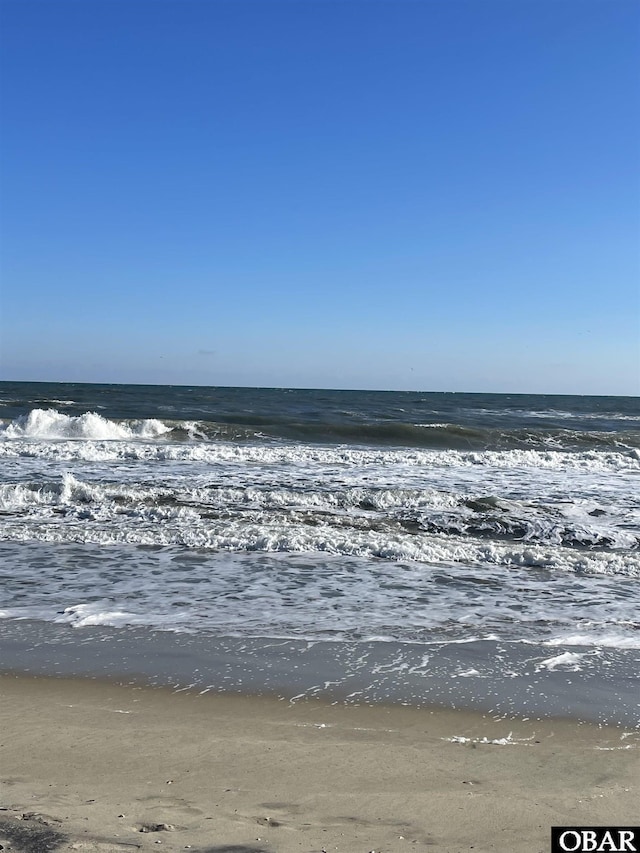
42 424
424 526
323 513
51 424
137 447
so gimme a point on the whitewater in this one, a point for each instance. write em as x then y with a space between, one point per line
238 515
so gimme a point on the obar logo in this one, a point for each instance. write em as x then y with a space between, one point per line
595 839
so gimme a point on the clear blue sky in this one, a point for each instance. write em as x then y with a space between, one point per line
402 194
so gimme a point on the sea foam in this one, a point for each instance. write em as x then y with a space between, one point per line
51 424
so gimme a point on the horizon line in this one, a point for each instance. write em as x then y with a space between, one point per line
309 388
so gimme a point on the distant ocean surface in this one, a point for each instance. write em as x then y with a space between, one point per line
342 516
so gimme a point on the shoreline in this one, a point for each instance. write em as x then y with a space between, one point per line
493 677
96 763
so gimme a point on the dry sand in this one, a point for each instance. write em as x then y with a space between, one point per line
92 766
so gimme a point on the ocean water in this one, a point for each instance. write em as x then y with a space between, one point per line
434 523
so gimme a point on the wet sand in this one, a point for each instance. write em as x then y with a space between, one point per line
93 766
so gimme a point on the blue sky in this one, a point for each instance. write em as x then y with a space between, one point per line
401 194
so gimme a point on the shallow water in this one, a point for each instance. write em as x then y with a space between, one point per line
321 516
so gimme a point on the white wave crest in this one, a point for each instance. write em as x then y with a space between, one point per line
52 424
40 437
184 526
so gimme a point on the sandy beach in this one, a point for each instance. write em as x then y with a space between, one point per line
94 766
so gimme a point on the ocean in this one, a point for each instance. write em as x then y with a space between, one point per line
459 549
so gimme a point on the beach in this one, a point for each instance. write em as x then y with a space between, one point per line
319 427
252 620
95 766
